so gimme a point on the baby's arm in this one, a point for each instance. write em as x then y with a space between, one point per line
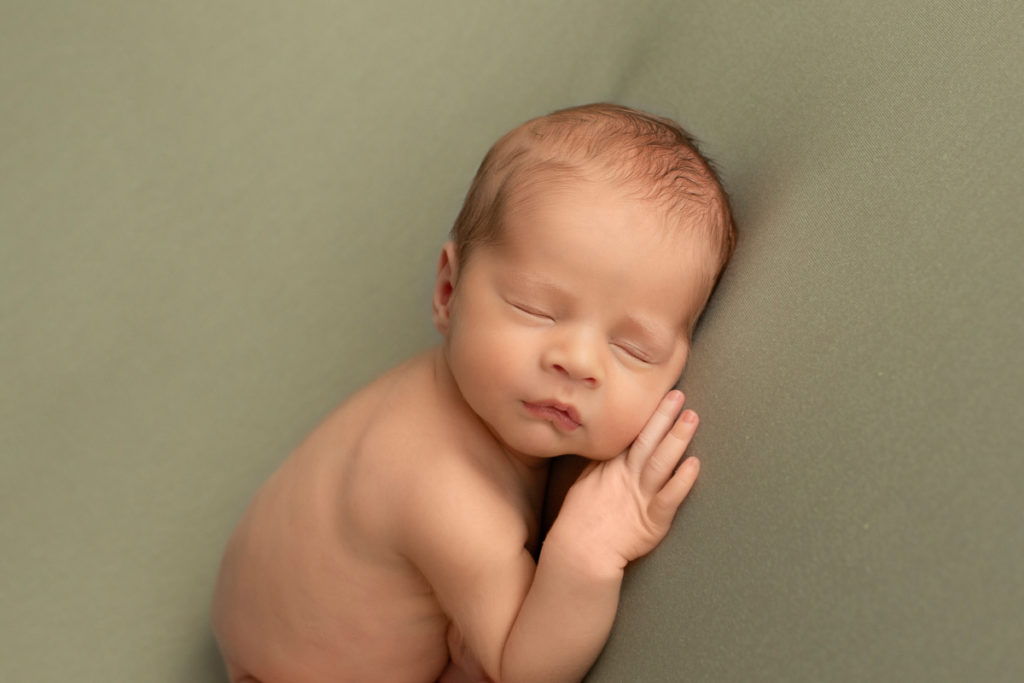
548 622
616 512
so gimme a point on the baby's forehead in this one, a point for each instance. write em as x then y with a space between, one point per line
609 214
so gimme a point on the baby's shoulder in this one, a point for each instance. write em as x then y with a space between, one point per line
411 459
445 480
450 498
435 471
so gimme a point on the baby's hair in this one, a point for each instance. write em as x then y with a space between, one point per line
654 157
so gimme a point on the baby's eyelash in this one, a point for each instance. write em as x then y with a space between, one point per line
529 310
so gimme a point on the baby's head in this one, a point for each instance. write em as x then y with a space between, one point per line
648 157
586 250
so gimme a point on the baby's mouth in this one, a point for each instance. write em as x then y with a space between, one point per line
562 415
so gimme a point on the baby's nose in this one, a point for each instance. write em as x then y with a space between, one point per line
577 358
587 378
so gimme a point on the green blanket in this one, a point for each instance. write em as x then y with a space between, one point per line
217 219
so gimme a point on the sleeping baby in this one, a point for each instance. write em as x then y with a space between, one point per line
402 541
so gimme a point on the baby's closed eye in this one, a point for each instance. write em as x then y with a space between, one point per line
532 311
634 351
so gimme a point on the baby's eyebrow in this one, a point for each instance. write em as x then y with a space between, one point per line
538 284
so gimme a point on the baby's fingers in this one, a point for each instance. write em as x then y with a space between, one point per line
671 496
666 455
654 431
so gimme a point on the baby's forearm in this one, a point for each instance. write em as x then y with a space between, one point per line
565 618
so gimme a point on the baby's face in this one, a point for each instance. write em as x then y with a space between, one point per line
566 334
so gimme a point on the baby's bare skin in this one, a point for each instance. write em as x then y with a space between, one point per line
408 521
313 586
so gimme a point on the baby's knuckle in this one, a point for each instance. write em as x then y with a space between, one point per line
642 442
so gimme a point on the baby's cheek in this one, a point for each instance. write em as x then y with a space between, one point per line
626 420
616 433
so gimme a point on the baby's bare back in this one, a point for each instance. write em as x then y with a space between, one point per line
311 587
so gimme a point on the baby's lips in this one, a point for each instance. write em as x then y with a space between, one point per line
563 414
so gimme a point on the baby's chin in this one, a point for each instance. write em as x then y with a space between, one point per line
608 444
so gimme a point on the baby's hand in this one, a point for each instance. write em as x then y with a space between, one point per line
621 509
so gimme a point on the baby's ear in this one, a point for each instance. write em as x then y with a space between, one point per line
444 286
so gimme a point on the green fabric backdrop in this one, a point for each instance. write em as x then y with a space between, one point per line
217 219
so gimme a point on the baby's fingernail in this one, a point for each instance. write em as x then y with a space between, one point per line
689 416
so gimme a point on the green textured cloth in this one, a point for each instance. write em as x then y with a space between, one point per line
217 219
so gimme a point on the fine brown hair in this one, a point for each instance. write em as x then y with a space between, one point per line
651 156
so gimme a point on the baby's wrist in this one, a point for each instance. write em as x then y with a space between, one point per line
583 559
